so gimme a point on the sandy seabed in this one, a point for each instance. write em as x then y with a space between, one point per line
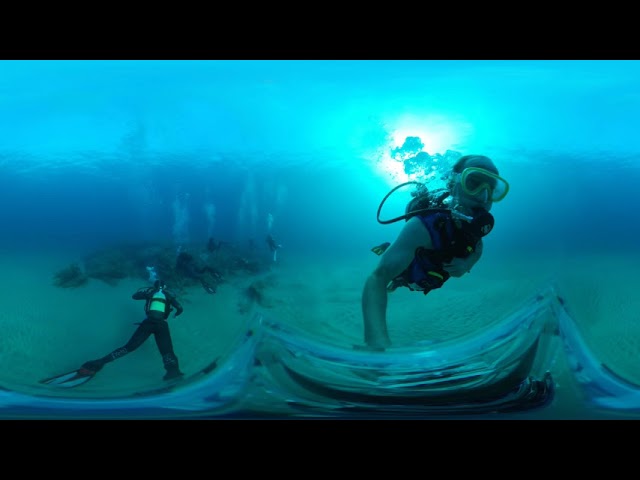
47 330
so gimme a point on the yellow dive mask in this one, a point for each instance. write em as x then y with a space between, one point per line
474 180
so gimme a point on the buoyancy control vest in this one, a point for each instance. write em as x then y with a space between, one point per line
452 236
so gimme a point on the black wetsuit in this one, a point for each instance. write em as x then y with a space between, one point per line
156 324
273 245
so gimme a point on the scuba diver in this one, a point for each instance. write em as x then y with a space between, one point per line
159 303
273 246
442 238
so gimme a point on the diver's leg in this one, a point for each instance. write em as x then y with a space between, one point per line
165 347
138 338
374 307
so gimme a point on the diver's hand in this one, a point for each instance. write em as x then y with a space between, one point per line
177 313
457 267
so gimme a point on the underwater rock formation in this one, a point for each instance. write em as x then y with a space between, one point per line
110 266
227 260
70 277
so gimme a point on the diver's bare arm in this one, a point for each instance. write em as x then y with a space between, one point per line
140 295
374 306
392 263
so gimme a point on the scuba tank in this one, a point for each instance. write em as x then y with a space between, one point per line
158 301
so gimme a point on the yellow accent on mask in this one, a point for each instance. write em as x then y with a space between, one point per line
475 180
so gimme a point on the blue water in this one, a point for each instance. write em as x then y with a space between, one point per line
94 153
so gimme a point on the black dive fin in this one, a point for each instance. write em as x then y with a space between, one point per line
70 379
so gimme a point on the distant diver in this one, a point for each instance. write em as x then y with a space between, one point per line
273 246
